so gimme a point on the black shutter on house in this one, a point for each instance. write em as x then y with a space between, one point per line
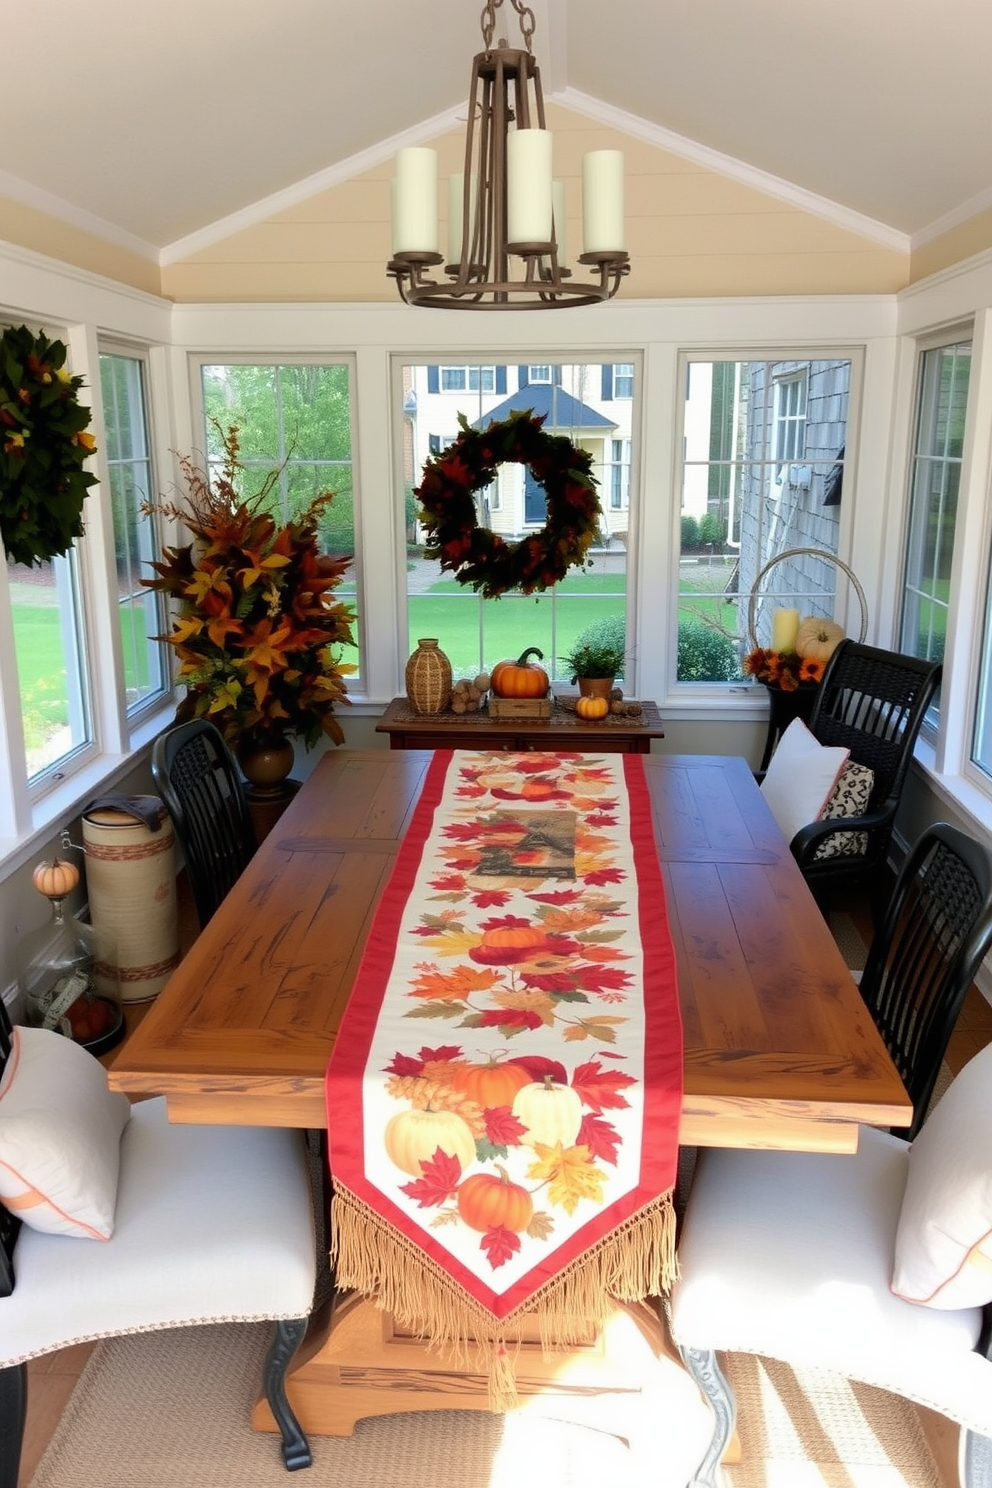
607 389
524 374
501 379
433 380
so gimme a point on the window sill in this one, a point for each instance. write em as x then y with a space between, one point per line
956 791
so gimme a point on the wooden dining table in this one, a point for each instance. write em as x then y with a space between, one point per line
779 1049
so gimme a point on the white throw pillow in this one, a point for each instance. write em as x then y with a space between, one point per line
850 797
60 1135
943 1250
800 778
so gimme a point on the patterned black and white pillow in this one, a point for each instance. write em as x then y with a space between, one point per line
849 797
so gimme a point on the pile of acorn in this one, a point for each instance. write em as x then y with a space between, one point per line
469 696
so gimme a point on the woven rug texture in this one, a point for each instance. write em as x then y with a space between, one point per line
170 1410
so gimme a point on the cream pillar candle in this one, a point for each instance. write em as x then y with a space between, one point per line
558 198
415 201
785 625
528 186
602 201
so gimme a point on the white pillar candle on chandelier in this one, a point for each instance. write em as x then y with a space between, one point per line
415 201
528 186
558 198
785 628
602 201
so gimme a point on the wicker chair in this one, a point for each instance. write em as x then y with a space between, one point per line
873 703
200 783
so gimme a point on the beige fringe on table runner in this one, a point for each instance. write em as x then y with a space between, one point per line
370 1256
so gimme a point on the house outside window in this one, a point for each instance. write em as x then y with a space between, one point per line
619 474
943 377
476 633
761 440
295 418
468 379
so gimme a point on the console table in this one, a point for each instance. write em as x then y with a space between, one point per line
563 730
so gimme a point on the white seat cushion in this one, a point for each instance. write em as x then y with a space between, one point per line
800 778
790 1255
212 1224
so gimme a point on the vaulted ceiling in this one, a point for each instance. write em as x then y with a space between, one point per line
150 121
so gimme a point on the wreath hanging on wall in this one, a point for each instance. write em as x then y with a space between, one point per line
43 445
481 558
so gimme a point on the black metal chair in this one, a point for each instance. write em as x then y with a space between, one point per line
934 936
198 778
211 1224
873 703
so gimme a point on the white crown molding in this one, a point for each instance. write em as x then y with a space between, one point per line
64 211
738 170
301 191
953 219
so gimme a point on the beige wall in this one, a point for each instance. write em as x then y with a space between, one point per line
29 228
969 238
691 232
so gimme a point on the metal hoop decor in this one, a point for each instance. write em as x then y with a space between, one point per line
752 604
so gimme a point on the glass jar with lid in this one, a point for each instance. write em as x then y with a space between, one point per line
67 972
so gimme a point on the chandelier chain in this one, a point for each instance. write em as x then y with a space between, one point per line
488 22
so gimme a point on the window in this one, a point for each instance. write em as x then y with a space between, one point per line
935 475
474 634
468 379
296 418
761 440
619 474
129 467
46 610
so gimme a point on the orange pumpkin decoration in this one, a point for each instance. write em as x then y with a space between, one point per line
55 879
520 678
486 1202
490 1085
591 708
509 944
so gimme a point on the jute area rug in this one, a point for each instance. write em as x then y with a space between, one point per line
170 1410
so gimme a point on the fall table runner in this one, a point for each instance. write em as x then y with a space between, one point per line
504 1093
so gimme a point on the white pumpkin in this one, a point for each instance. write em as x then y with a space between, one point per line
413 1137
551 1113
818 639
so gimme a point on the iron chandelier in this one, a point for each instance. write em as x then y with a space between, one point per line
505 209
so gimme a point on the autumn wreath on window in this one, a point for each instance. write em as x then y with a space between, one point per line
481 558
43 444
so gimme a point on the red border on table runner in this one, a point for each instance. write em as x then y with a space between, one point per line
662 1052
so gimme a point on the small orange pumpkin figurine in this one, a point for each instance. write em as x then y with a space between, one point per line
591 708
55 879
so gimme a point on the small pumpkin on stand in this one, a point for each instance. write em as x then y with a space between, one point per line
591 708
521 678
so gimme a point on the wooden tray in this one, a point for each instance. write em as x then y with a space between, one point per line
519 707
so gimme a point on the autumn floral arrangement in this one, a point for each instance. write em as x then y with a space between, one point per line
481 558
44 442
784 669
257 630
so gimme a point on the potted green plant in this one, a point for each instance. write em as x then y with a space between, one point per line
594 666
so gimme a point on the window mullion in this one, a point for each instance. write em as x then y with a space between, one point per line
15 801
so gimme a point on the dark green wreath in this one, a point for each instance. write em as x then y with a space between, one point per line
43 445
481 558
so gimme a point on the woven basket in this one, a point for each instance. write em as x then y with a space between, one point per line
428 678
755 595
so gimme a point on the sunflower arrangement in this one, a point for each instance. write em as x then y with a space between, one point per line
44 443
482 559
784 669
257 631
